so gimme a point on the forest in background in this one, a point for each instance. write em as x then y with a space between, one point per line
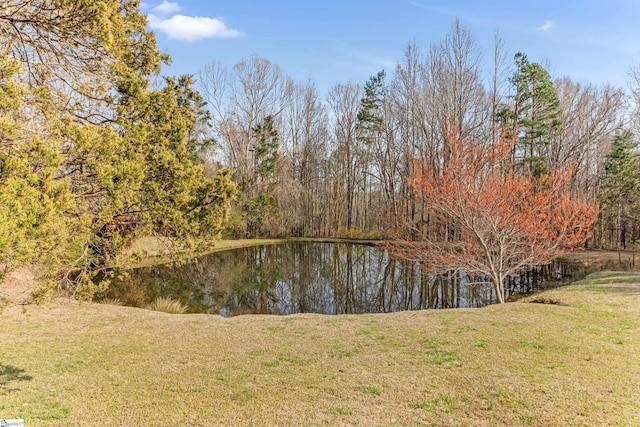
98 150
338 164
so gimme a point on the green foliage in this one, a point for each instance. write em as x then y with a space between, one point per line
92 156
32 200
266 148
536 113
176 198
369 116
44 292
252 217
622 171
258 206
537 102
620 195
259 210
144 178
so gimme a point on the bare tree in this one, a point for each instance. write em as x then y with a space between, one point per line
634 92
458 96
239 100
591 115
415 131
344 103
304 195
499 81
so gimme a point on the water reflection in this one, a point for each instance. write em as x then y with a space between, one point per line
327 278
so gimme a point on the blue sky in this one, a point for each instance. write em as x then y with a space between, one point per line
344 41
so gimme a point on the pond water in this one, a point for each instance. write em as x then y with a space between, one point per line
326 278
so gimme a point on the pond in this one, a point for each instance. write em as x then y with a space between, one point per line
326 278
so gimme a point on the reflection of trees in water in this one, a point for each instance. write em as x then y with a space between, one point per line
330 278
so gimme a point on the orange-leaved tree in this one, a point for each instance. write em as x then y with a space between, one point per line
485 218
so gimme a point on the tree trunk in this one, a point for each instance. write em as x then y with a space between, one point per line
498 285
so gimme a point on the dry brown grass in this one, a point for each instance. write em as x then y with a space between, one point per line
605 260
518 364
150 250
17 286
168 305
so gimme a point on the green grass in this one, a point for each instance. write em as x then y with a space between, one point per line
343 411
442 403
369 389
574 360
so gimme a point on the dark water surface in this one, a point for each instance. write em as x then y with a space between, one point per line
326 278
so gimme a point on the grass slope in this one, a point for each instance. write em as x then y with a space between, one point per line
573 362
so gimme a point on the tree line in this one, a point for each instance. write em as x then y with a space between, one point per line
339 164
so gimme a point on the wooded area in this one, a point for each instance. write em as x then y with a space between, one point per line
98 150
339 165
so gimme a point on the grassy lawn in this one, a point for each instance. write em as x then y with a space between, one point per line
572 358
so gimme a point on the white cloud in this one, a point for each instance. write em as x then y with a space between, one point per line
166 8
547 25
165 18
191 28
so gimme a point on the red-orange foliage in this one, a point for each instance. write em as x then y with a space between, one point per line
486 218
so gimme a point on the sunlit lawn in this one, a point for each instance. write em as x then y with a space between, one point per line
572 361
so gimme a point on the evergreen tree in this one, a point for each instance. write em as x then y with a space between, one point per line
369 116
535 115
620 195
259 205
266 148
33 202
92 156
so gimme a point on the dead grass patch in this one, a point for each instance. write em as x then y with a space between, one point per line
168 305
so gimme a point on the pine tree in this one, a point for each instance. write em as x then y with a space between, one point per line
266 148
369 116
620 195
535 115
259 205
